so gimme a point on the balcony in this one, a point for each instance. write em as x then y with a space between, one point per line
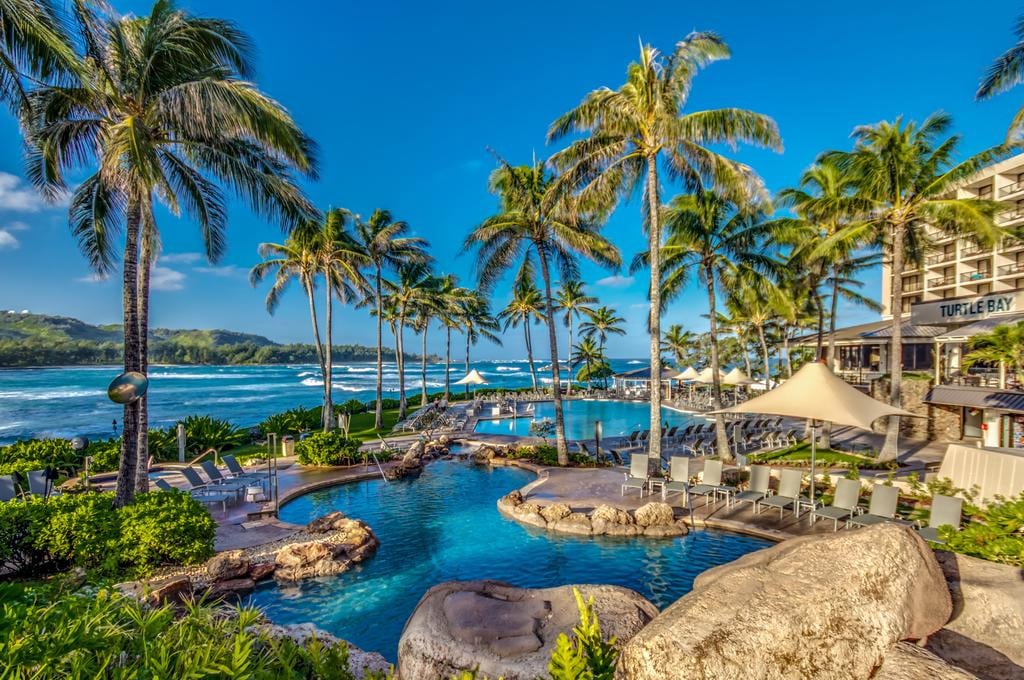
1010 269
975 277
1010 190
942 282
1011 215
1011 244
912 287
972 249
940 258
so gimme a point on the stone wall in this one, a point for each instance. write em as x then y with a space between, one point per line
939 423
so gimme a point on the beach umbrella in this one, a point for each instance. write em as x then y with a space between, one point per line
817 394
472 378
707 376
689 374
737 377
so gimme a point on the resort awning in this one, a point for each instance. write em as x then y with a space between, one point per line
689 374
976 397
707 376
644 375
984 326
472 378
737 377
816 393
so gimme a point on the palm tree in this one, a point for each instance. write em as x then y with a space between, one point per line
165 111
723 244
526 307
603 322
680 343
385 242
642 123
588 353
540 222
1003 345
571 299
410 292
449 296
477 322
1005 73
35 46
905 172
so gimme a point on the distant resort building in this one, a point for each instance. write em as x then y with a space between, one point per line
963 289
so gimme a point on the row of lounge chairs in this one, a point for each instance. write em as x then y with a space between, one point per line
32 483
219 487
845 506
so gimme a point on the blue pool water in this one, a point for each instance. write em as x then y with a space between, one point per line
617 418
445 526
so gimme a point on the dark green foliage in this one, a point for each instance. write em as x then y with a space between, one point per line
543 454
165 527
36 454
203 433
106 454
587 655
293 421
81 530
328 448
351 406
995 533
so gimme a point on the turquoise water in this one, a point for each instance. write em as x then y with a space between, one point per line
445 526
617 418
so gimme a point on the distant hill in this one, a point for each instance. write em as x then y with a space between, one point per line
42 340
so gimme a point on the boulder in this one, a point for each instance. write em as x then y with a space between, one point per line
513 498
258 572
327 523
611 514
655 514
907 661
665 530
173 589
577 523
619 529
824 607
444 440
505 631
231 587
533 519
228 565
351 542
359 662
555 511
484 454
984 636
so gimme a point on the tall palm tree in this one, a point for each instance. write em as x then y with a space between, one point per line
1005 73
680 343
527 308
633 129
386 243
603 322
35 45
1003 345
164 110
477 323
573 301
539 222
907 174
449 296
590 355
411 293
722 243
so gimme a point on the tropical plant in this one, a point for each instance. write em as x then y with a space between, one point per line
539 223
905 173
34 45
476 321
1005 73
449 296
995 533
723 244
573 301
633 129
586 654
386 244
681 343
37 454
203 433
590 355
526 307
1003 346
602 322
165 111
291 422
410 293
328 448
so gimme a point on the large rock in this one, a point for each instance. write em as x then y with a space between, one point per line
230 564
484 454
172 589
352 541
986 633
329 522
824 607
555 512
505 631
655 514
611 515
907 661
577 523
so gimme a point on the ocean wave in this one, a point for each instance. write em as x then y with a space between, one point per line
507 368
57 394
634 361
205 376
361 369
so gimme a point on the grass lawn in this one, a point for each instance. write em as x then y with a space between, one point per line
361 425
802 453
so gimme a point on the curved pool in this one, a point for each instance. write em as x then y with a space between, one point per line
617 418
445 526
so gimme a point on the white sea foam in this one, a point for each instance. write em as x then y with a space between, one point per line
42 396
634 361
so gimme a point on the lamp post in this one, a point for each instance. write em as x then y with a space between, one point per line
597 440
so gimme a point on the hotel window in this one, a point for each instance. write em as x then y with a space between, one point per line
985 192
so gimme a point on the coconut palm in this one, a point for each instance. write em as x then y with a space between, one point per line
680 343
906 173
603 322
386 243
449 296
539 223
1005 73
410 293
1003 345
34 45
591 356
723 244
641 125
573 301
476 322
163 110
527 308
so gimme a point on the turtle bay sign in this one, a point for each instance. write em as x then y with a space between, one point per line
967 309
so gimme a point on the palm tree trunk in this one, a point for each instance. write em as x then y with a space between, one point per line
890 449
145 262
423 368
529 352
126 470
826 429
448 363
821 327
556 382
785 346
716 385
403 405
654 247
327 413
746 360
378 418
316 332
468 334
568 387
767 359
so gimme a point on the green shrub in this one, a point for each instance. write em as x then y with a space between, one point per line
328 448
995 533
36 454
544 454
293 421
21 524
165 527
351 406
105 454
587 654
203 433
82 530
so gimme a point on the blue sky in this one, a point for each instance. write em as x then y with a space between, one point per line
405 97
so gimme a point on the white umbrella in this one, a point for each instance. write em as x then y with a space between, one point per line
689 374
707 376
816 393
472 378
737 377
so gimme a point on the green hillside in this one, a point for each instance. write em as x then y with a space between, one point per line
42 340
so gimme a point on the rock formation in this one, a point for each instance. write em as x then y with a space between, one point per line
656 520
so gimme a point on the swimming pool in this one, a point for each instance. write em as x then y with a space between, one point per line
445 526
617 418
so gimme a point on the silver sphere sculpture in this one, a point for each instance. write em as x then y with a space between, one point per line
79 443
128 387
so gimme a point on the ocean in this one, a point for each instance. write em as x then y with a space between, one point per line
69 401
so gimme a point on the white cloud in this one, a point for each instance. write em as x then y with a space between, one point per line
16 226
17 196
92 278
616 281
182 258
7 240
228 271
165 278
640 305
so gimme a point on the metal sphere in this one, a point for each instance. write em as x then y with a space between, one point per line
79 443
128 387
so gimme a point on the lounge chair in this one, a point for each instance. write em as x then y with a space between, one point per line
760 475
219 480
39 483
644 437
711 483
678 476
671 433
236 470
946 511
638 475
788 495
844 503
8 488
882 507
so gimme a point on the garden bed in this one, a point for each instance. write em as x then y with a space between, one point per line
800 455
